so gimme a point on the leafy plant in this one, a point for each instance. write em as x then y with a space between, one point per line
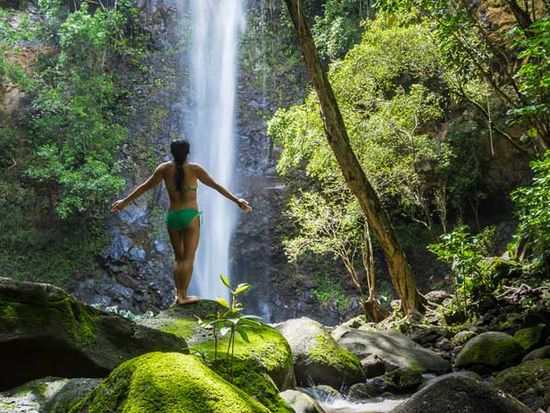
466 254
229 322
533 213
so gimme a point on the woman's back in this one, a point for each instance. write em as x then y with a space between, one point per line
186 197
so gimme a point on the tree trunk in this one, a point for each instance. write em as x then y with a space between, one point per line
400 271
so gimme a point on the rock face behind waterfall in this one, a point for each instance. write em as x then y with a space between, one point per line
317 357
46 332
459 394
392 347
262 366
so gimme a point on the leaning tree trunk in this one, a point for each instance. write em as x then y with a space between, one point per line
400 271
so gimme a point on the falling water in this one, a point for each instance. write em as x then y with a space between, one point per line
215 29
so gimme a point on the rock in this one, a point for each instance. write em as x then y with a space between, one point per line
46 332
317 357
462 337
540 353
50 394
428 335
459 394
529 383
531 337
403 380
301 402
362 391
437 296
373 366
323 393
491 350
464 373
262 367
165 383
392 347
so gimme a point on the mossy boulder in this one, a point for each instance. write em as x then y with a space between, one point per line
531 337
529 382
455 393
540 353
317 357
262 367
167 383
492 350
393 348
46 395
46 332
401 380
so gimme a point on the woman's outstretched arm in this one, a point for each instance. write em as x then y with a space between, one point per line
151 182
207 180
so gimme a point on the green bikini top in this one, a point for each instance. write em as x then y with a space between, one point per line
190 189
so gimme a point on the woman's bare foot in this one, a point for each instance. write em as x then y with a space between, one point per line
189 299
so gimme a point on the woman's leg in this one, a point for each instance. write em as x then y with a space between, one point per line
176 238
191 236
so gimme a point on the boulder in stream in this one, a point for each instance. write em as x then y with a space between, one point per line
318 359
301 402
392 347
166 383
46 395
454 393
46 332
529 382
262 367
492 350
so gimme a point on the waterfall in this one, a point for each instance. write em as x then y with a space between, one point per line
215 26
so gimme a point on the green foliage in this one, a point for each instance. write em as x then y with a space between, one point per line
533 46
338 29
533 212
389 91
466 253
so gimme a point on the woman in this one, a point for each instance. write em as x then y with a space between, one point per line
181 180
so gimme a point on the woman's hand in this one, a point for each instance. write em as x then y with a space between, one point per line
118 205
244 205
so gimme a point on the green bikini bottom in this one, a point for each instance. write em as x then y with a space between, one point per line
179 219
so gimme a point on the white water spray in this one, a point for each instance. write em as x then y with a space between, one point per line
215 29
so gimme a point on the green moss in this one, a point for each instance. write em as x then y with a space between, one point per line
181 327
530 337
490 349
529 382
261 367
77 321
327 351
167 383
266 355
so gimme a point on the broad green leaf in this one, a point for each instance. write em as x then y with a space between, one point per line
223 302
225 281
241 288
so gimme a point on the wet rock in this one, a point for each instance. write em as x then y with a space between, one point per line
458 394
301 402
424 336
393 348
46 332
529 383
540 353
50 394
362 391
491 350
317 357
323 393
373 366
399 381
